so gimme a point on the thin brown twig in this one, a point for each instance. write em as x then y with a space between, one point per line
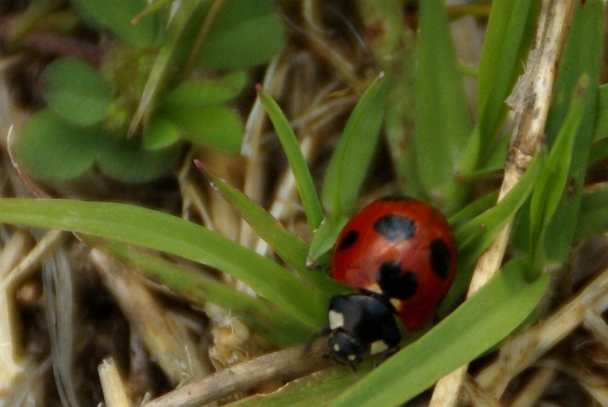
286 364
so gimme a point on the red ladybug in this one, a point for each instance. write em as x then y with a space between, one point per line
399 252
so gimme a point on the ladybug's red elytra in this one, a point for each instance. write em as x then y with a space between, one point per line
399 252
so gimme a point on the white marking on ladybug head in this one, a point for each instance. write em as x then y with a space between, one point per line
352 358
336 320
396 303
378 347
336 348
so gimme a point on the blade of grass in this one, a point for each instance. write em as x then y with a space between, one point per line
263 317
170 234
442 114
287 245
582 55
509 34
297 163
554 177
350 161
474 237
593 215
480 323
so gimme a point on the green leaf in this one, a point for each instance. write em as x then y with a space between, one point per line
297 162
170 61
509 34
322 387
324 238
582 56
116 15
266 319
214 126
601 122
350 161
442 113
593 215
190 94
554 176
476 326
244 34
160 231
76 92
287 245
128 161
160 133
474 237
51 149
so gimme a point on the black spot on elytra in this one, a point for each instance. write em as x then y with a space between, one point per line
440 258
348 240
395 227
395 282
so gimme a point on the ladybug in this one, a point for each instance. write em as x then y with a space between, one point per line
399 252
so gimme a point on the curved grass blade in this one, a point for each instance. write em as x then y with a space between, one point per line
170 234
554 177
287 245
509 34
263 317
349 163
306 186
480 323
443 121
476 235
593 215
582 56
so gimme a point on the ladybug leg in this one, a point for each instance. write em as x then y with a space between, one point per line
323 332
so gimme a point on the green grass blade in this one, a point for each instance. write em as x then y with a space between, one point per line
304 182
582 56
601 121
476 235
443 121
263 317
170 234
593 215
552 181
287 245
324 238
479 324
349 163
509 34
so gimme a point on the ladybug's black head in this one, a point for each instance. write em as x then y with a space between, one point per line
345 348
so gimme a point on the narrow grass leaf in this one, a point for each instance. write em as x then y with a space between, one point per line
582 56
509 34
475 236
350 161
287 245
443 121
324 238
160 231
265 318
297 162
476 326
554 176
601 121
593 215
